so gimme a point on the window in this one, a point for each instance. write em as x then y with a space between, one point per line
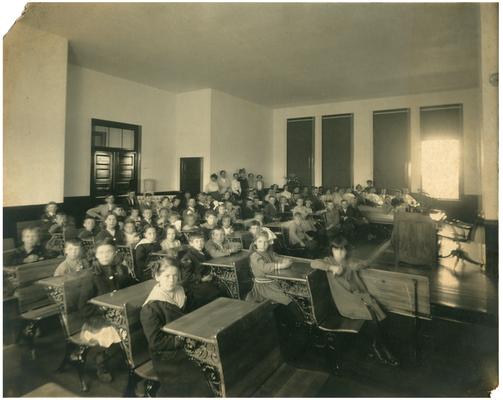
337 150
441 140
300 148
391 154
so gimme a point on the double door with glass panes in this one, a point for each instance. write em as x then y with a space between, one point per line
115 153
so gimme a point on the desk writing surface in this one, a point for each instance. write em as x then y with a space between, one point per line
275 225
60 280
206 322
228 260
298 271
134 295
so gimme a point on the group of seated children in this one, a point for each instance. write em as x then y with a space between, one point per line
184 283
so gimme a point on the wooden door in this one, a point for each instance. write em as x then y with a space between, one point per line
337 151
125 172
300 146
103 171
191 174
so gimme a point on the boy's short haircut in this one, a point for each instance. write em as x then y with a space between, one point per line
255 223
163 208
218 228
34 229
208 213
74 242
259 176
88 217
147 209
129 221
214 176
195 235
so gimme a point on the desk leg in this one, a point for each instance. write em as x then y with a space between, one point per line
117 319
228 279
299 293
205 355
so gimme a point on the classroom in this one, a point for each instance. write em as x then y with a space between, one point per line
251 200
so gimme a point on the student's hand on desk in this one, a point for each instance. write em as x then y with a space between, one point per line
335 269
286 263
207 278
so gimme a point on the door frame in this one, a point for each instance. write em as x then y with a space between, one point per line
137 149
313 150
201 171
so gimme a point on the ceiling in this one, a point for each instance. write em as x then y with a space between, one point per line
274 54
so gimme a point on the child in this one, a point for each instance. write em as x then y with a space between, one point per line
143 249
31 250
297 234
351 296
227 225
236 185
263 261
74 262
49 215
333 219
221 211
224 182
196 278
88 232
171 243
177 205
120 214
191 209
107 275
135 217
219 246
101 211
175 220
57 231
111 231
130 235
256 227
270 210
178 376
210 224
247 212
259 186
190 224
148 219
283 206
231 210
257 204
163 219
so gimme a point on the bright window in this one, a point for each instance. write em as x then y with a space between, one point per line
440 164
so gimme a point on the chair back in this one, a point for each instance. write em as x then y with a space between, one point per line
322 302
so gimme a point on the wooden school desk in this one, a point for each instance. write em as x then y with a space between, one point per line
233 342
118 306
293 281
233 273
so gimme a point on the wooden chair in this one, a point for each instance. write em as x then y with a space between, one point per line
64 292
126 252
327 319
33 304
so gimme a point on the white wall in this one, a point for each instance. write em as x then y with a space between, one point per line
92 94
35 72
489 106
241 135
363 133
193 130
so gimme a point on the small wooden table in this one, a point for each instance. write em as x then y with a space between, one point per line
293 281
203 330
117 307
233 273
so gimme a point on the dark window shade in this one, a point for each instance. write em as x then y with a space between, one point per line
391 149
337 160
300 138
444 122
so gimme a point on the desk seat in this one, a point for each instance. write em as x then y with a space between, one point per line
40 313
146 371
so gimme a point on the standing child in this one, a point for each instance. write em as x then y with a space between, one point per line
74 262
143 250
